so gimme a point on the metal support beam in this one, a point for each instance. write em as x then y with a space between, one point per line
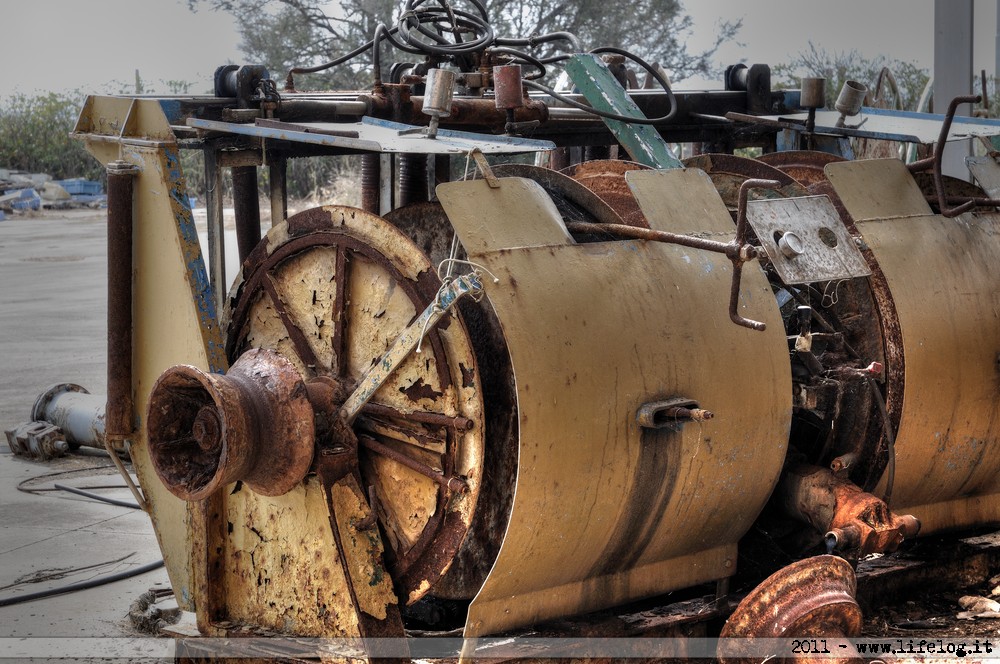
216 229
277 172
385 184
953 35
246 205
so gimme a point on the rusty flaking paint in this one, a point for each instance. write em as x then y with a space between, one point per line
349 283
810 598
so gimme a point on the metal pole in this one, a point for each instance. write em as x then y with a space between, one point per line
216 230
119 423
953 35
279 190
246 205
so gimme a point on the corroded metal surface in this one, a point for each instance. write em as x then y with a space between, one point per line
606 178
654 511
331 289
574 201
853 521
254 425
945 290
804 166
810 598
728 172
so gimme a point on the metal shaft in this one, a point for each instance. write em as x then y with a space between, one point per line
121 176
246 206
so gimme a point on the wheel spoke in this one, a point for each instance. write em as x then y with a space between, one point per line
302 347
340 313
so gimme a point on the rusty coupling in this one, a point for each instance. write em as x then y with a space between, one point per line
255 424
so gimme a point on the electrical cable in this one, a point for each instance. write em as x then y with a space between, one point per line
97 496
82 585
889 436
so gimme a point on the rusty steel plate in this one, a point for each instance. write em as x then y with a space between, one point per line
804 166
606 511
330 289
606 178
728 172
806 240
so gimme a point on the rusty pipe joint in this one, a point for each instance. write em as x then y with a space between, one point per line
853 521
255 424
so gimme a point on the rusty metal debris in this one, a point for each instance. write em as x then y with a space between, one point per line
813 597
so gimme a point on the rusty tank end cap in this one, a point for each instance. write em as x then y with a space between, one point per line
253 424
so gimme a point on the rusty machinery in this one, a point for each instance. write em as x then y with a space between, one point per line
548 385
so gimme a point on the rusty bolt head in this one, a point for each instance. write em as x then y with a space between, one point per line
207 429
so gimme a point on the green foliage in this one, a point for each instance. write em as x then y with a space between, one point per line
840 66
34 136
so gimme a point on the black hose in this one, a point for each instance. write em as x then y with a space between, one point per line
97 496
82 585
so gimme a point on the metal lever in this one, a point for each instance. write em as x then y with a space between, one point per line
450 293
740 251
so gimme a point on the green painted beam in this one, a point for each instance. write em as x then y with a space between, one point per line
598 85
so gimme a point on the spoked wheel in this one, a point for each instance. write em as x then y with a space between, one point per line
331 289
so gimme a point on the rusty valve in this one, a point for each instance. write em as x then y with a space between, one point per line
255 424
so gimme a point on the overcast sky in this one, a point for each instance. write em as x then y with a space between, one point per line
96 45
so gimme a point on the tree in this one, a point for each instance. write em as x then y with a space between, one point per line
286 33
34 136
839 66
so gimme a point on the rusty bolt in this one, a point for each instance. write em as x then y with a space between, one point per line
207 429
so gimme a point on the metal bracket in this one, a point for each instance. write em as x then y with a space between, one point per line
805 239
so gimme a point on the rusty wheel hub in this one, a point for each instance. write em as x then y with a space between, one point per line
255 425
810 598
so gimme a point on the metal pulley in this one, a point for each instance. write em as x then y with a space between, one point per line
253 425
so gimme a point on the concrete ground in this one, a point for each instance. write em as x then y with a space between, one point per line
53 330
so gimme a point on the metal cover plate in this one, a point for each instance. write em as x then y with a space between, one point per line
987 173
375 135
892 125
826 251
876 189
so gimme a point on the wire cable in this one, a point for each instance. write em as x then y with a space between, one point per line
82 585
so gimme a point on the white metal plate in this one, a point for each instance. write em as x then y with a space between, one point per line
826 250
987 173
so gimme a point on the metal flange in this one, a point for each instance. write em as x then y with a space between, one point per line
813 597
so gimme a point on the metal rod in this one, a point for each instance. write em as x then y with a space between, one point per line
246 205
216 229
419 416
637 233
370 167
279 189
939 154
453 483
119 407
118 410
